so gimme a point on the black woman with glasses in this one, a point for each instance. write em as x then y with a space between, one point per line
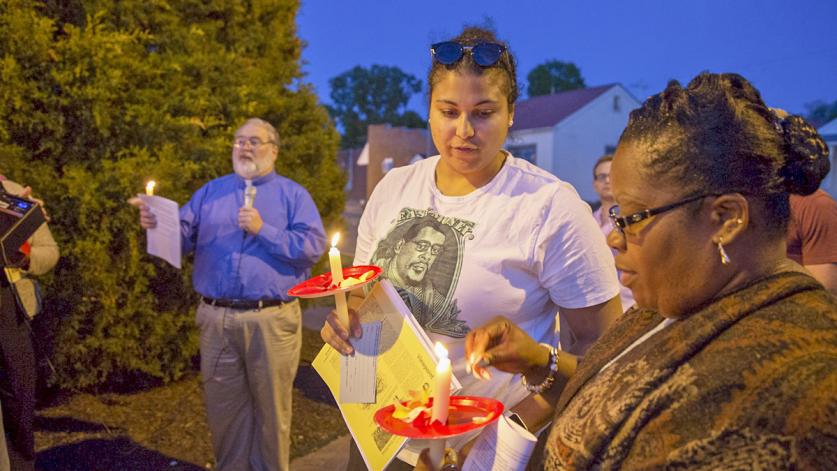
510 237
730 361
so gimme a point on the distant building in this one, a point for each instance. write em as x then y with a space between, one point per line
828 131
351 163
564 133
386 147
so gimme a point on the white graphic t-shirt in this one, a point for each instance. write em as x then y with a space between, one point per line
520 246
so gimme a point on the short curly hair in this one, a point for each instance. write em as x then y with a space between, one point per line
718 136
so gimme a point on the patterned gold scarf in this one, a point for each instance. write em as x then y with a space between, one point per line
748 381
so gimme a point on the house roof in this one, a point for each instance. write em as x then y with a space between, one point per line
549 110
829 130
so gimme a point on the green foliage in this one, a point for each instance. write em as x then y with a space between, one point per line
375 95
820 112
554 76
97 96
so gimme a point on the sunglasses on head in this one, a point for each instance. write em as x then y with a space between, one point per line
484 54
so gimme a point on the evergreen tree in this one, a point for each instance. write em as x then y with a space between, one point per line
97 97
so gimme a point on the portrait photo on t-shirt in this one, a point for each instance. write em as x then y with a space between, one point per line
422 256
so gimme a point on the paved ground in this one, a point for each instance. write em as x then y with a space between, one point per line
332 457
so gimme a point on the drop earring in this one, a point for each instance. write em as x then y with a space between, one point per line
511 122
723 253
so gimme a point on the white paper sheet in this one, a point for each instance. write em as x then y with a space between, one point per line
358 371
502 446
164 240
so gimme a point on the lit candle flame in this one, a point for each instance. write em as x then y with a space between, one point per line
149 187
335 239
441 351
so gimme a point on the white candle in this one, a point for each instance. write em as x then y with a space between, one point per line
149 187
335 262
441 401
441 386
336 277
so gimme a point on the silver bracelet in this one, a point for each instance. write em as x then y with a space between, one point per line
550 377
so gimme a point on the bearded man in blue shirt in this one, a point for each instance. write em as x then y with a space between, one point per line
247 255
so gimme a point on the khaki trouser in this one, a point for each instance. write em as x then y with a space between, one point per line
248 363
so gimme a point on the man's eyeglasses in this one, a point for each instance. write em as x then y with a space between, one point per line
423 245
602 177
255 142
484 54
622 222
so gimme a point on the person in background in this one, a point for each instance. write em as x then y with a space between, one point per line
812 236
246 260
729 360
812 232
511 237
19 374
601 184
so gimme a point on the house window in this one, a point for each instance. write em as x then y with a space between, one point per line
616 104
528 152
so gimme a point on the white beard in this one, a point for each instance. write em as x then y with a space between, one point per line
247 169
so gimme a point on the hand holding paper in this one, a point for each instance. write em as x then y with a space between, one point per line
161 218
337 335
358 377
147 219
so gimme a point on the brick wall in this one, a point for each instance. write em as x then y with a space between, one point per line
400 144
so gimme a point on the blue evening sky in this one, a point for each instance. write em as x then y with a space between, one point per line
788 49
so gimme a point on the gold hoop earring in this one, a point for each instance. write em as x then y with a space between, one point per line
723 253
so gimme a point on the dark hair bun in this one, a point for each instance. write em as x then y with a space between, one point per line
806 156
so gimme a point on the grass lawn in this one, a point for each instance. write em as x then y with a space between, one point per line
165 427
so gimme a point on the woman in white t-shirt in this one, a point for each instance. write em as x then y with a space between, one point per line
475 232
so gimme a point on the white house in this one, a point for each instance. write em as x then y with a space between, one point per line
566 132
828 131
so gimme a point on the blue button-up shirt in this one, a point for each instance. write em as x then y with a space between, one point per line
232 264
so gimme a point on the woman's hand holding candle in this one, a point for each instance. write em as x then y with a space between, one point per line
336 334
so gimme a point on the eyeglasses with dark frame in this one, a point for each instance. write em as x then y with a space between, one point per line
423 245
622 222
450 52
240 142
